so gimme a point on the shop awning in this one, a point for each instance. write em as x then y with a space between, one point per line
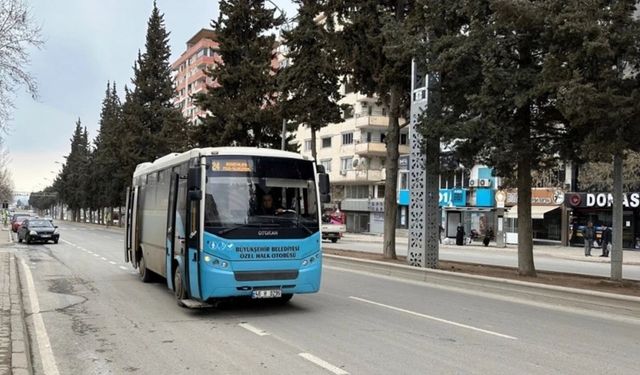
537 212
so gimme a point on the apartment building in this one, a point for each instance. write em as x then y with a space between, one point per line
353 153
189 71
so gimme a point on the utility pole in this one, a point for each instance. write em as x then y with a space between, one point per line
618 221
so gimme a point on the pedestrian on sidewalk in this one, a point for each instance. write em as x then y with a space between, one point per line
588 233
441 229
460 235
488 236
606 240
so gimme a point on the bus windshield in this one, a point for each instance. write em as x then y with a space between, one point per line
246 195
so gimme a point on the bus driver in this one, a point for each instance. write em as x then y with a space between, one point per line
267 206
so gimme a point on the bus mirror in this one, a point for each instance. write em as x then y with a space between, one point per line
193 181
325 198
195 195
320 169
323 183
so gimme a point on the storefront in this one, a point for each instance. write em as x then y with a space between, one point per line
546 215
597 208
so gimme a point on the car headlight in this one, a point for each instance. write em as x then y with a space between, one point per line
33 233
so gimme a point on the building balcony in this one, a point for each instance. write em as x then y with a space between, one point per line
353 175
372 122
377 149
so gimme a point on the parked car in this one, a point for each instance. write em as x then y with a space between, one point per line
33 230
16 221
332 226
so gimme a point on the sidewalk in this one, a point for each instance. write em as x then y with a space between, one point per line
630 257
14 342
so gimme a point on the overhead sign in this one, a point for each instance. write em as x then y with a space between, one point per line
231 166
600 200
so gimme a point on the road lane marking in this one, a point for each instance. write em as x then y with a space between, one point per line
95 255
44 345
434 318
123 268
253 329
324 364
112 262
103 258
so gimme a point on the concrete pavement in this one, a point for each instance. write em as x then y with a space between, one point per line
630 257
14 342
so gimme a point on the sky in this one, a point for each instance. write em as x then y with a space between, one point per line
87 43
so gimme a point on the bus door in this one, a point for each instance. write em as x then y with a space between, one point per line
171 241
131 239
194 198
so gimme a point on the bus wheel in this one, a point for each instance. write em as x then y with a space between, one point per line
178 287
145 274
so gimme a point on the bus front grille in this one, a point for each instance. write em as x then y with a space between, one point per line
266 275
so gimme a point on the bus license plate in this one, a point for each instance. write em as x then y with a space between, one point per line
267 293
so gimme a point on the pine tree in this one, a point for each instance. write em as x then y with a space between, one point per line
309 86
157 125
74 175
241 102
374 42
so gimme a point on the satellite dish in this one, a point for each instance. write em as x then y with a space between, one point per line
355 162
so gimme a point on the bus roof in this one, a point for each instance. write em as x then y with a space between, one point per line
177 158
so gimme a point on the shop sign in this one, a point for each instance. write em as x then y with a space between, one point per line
376 206
403 162
539 197
453 198
600 200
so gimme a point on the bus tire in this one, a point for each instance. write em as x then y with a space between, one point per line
145 274
178 287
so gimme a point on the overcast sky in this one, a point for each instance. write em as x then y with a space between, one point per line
87 43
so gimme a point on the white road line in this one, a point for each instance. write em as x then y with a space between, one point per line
123 268
112 262
44 345
324 364
435 319
253 329
95 255
103 258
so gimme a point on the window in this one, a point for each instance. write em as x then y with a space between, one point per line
326 142
369 137
403 138
404 180
382 137
357 191
326 164
346 163
348 112
379 191
347 138
307 145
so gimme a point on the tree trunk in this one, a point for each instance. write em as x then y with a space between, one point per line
616 250
525 228
391 166
119 216
314 148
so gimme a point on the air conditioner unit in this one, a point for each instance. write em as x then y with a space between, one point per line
343 172
473 183
354 162
484 182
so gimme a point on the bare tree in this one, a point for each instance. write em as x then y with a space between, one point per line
17 33
6 182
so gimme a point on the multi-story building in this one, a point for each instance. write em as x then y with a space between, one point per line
353 153
189 71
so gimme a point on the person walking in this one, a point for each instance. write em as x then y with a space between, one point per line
460 235
588 234
606 240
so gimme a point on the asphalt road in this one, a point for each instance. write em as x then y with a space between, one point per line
498 257
100 319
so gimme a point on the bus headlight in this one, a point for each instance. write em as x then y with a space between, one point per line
218 263
310 260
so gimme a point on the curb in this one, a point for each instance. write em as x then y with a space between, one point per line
114 229
607 303
20 345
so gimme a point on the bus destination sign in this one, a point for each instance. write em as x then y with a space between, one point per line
231 166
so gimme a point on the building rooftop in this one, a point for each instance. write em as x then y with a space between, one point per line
202 34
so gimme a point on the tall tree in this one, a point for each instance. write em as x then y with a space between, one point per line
599 89
374 43
157 125
309 86
17 33
74 175
497 107
241 102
